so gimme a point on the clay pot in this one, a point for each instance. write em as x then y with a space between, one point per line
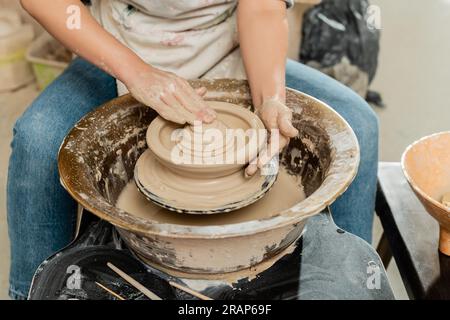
162 151
426 165
207 161
97 161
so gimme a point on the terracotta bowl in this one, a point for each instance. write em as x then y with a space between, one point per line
426 165
98 157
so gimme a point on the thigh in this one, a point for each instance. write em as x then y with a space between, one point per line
341 98
41 215
34 192
354 210
336 265
33 177
79 90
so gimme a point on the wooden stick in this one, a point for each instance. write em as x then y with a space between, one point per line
133 282
110 291
191 292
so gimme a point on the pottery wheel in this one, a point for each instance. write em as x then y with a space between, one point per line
200 169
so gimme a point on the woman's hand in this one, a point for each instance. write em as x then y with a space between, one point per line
172 97
277 118
263 34
169 95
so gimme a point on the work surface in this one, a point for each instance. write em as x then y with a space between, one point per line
327 263
412 235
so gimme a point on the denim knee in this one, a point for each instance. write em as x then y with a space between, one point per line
365 124
41 217
37 135
342 99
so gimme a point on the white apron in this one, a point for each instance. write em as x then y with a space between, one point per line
191 38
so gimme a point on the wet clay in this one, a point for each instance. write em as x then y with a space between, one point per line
201 151
285 193
200 169
198 194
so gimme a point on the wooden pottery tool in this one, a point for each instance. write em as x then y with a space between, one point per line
115 295
149 294
191 292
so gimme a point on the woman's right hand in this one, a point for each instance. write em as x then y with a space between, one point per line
169 95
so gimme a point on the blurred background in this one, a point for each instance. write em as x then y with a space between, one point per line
401 64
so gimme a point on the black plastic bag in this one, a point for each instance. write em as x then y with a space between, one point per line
337 32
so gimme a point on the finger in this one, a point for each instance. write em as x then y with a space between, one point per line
286 127
177 108
207 115
274 149
202 113
171 116
165 111
195 95
202 92
189 98
251 170
276 145
270 119
188 103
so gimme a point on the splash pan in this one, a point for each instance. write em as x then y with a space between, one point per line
98 157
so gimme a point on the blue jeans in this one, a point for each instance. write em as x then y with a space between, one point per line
41 215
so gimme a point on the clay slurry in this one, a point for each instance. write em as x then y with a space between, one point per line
286 193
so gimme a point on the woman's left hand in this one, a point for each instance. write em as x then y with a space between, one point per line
277 118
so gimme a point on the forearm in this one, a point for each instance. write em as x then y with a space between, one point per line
263 33
89 41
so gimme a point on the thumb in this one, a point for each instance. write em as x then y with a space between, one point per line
286 127
277 144
202 91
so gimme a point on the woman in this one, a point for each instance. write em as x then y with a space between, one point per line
150 47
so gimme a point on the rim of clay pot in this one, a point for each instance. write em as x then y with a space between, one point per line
341 173
164 155
225 208
411 180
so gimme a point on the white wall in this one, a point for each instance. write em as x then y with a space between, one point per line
15 4
414 72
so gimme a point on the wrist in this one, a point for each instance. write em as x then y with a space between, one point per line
129 73
264 99
281 98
